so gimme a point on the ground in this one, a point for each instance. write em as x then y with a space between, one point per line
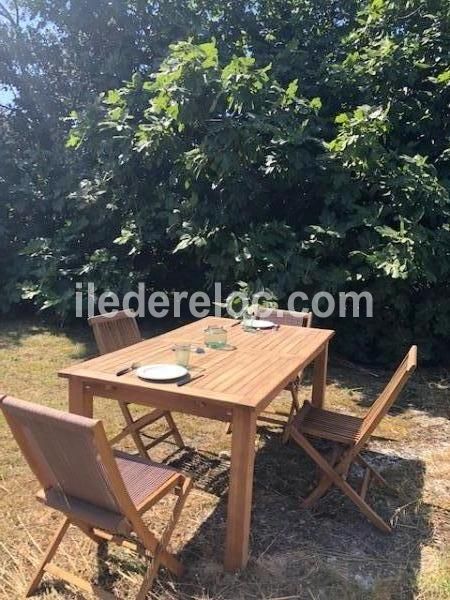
330 552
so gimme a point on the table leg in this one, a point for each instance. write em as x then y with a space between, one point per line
241 487
80 398
320 378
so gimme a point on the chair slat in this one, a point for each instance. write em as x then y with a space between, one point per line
388 396
115 331
285 317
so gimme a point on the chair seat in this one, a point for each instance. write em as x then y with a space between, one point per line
142 477
328 425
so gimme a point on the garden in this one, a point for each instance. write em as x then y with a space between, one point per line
282 149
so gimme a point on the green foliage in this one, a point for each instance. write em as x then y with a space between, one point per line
285 145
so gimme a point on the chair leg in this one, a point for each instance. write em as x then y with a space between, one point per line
365 482
324 482
320 490
295 407
134 428
57 539
360 460
153 568
149 545
134 434
335 478
149 578
174 429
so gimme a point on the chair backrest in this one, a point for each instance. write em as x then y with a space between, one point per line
115 331
68 454
286 317
388 396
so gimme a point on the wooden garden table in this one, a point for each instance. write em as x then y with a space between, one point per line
236 386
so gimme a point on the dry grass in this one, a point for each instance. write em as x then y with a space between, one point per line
329 553
434 579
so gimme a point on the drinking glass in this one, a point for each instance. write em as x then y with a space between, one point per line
182 354
246 317
215 337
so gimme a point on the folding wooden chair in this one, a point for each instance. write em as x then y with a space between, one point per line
114 332
102 493
295 319
350 435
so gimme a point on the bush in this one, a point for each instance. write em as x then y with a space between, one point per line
285 145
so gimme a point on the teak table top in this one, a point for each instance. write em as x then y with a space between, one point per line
250 375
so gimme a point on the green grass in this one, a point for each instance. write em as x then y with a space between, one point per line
329 553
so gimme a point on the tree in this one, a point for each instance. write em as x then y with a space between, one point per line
283 144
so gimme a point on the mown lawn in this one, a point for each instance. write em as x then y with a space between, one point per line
331 552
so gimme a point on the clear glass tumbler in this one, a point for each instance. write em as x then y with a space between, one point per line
215 337
182 354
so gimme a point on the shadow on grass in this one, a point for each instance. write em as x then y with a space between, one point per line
330 551
14 332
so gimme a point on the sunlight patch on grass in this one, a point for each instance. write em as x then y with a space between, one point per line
434 579
437 485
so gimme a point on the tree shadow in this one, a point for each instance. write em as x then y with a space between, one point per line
14 332
331 551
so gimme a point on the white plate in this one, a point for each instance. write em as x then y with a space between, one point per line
258 323
161 372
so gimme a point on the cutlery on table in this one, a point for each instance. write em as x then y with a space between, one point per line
194 348
125 370
189 379
262 330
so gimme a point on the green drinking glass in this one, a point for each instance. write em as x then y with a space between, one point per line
215 337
